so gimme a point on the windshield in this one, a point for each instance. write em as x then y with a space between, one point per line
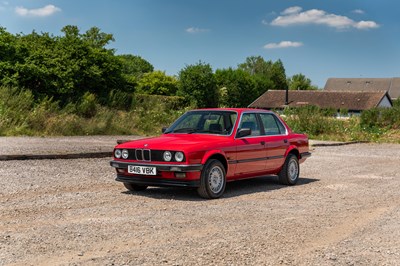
205 122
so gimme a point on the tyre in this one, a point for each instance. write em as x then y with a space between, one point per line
213 180
290 171
134 187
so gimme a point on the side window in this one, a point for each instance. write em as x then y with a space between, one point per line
281 126
271 125
250 121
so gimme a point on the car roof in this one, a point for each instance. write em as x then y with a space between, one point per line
240 110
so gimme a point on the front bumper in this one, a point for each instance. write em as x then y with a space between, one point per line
165 174
161 167
158 182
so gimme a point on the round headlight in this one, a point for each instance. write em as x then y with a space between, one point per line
125 154
167 156
117 154
179 156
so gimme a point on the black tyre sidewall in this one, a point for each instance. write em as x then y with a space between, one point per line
284 174
134 187
204 189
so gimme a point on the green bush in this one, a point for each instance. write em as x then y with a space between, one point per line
87 106
167 102
15 106
311 120
152 112
388 118
320 124
120 100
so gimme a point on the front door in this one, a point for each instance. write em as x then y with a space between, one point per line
251 154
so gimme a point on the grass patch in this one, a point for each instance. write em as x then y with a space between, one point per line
21 115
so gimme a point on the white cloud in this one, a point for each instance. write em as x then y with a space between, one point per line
283 44
292 10
295 16
358 11
38 12
194 30
366 25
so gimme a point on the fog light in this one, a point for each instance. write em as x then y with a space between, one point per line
180 175
120 170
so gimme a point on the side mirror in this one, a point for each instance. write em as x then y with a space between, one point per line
164 129
243 132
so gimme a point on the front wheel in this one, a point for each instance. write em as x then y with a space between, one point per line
213 180
290 171
134 187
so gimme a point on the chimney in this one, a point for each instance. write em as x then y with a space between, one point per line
287 96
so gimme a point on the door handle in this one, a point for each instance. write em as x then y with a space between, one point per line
285 140
262 142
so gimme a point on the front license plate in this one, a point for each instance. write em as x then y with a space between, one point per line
141 170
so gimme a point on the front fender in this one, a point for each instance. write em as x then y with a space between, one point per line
209 154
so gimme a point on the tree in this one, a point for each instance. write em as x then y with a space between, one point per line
300 82
198 84
278 76
135 65
237 87
256 65
158 83
61 67
96 38
267 74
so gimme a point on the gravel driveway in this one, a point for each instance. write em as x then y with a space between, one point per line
344 211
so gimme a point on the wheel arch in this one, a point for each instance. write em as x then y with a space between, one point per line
293 150
217 155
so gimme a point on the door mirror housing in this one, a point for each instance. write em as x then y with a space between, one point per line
243 132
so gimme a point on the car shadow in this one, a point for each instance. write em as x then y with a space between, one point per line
233 189
260 184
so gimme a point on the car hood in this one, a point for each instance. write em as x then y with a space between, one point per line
177 142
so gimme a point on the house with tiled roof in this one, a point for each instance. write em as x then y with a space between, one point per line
352 101
391 85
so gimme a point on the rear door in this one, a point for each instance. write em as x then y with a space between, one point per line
276 141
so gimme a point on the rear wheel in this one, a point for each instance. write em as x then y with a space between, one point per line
213 180
290 171
134 187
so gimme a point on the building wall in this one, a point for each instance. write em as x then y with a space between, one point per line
385 103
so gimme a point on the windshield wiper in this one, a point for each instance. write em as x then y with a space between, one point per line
184 130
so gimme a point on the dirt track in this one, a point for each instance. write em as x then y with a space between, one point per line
345 211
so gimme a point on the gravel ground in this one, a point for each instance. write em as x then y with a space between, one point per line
344 211
58 145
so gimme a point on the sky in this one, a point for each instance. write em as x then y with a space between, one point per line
320 39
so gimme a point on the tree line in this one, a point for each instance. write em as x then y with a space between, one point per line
76 66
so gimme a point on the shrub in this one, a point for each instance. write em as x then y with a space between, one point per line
15 105
87 106
120 100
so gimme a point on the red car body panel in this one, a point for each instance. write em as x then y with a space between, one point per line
242 157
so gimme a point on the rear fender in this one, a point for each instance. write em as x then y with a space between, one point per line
292 149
